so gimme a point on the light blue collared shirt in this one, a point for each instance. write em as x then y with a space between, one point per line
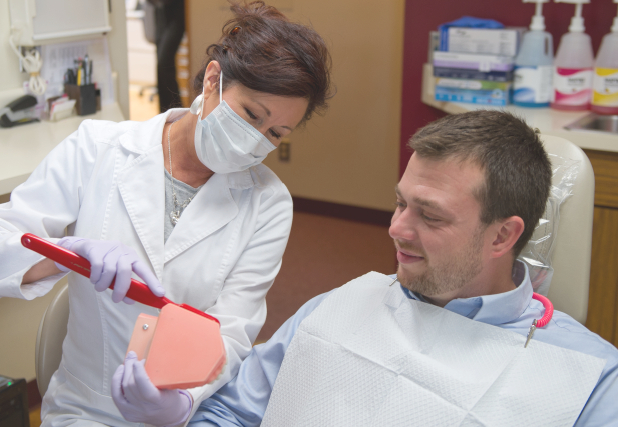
243 401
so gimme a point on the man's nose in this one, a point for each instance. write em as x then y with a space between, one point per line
402 226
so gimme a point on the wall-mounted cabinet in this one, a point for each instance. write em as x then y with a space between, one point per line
36 22
603 297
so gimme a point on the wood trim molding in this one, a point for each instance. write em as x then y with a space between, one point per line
348 212
34 398
605 177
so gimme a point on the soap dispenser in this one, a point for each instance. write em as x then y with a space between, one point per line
573 66
605 79
534 63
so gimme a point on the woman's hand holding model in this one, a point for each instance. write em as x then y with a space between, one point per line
138 400
111 260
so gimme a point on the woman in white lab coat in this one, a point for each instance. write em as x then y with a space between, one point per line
192 210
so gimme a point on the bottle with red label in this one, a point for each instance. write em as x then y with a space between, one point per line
573 66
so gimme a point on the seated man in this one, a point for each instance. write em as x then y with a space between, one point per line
447 344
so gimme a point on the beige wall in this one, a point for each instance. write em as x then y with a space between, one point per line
118 54
351 154
19 323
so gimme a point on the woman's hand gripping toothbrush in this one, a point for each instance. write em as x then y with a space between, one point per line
111 262
66 260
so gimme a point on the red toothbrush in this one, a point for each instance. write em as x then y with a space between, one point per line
138 291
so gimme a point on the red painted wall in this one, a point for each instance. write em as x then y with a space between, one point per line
424 16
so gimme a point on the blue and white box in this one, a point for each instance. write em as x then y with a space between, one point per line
473 91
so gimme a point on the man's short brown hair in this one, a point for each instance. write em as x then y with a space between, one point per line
517 170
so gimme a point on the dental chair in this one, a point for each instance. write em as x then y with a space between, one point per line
573 240
570 260
52 330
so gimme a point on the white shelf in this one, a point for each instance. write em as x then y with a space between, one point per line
548 121
23 147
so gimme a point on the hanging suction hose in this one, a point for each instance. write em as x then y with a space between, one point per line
549 310
32 63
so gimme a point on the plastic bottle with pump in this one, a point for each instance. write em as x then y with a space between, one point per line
534 63
573 66
605 79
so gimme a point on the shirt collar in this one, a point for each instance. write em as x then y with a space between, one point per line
493 309
240 180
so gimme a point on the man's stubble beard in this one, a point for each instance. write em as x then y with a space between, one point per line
449 276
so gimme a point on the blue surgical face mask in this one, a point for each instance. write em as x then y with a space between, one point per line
224 142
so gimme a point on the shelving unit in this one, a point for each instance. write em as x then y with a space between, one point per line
548 121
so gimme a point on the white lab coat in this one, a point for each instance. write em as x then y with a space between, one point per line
106 181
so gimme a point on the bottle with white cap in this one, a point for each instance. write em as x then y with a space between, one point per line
605 79
534 63
573 66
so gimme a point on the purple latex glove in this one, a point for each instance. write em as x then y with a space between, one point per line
110 259
139 401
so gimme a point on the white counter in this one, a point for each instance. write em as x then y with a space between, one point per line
23 147
548 121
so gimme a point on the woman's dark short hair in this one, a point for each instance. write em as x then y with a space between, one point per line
516 167
263 51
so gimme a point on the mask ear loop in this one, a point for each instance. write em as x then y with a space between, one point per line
199 114
198 103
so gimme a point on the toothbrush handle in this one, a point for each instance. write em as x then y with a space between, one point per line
138 291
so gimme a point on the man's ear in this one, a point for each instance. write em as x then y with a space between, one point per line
507 233
211 78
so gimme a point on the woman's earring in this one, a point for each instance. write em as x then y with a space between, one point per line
196 106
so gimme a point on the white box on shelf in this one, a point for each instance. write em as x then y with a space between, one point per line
482 40
473 61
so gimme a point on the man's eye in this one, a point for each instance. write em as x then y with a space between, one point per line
428 218
400 205
274 134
